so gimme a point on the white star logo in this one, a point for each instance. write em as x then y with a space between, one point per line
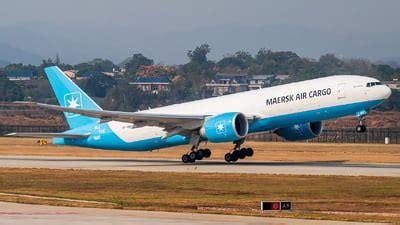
297 128
220 127
73 100
73 103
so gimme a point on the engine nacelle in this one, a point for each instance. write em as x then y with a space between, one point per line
301 132
225 127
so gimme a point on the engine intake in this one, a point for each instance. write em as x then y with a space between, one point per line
301 131
225 127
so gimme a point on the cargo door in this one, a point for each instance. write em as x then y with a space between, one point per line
341 93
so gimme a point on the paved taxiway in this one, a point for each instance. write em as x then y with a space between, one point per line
16 214
205 166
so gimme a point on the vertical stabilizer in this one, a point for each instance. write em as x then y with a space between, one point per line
70 95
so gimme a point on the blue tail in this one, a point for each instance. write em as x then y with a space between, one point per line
70 95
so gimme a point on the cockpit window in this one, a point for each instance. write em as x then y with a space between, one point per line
371 84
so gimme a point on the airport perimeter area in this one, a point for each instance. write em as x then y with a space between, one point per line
345 182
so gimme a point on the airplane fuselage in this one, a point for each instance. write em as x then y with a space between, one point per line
272 107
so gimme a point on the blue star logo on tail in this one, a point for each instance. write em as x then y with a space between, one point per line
73 100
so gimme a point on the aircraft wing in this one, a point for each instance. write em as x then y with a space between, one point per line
47 135
172 123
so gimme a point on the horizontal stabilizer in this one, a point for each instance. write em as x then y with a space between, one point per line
47 135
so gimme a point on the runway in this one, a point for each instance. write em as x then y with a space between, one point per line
21 214
205 166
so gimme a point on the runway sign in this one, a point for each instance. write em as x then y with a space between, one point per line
276 205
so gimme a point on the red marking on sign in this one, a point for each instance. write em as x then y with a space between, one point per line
276 206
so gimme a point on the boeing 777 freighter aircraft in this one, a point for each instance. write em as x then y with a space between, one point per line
293 111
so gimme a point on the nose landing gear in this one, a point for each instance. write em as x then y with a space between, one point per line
361 127
238 153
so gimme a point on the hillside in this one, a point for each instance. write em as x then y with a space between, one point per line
3 63
12 54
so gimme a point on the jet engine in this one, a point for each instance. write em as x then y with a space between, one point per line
231 126
301 131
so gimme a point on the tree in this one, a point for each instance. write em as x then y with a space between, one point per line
384 72
102 65
9 91
97 64
262 55
277 62
329 64
99 85
197 71
20 66
138 60
57 60
125 97
199 54
241 60
358 66
45 63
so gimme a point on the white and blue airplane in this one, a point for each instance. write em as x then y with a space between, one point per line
293 111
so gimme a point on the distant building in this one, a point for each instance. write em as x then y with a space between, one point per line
152 84
154 71
227 83
119 71
282 77
20 75
71 73
258 81
110 74
87 74
394 84
232 83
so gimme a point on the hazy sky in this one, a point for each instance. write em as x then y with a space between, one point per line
166 29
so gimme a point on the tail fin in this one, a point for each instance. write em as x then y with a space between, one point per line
70 95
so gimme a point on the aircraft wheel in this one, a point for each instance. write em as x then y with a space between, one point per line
207 153
192 156
242 153
228 157
249 152
235 156
185 158
361 128
200 154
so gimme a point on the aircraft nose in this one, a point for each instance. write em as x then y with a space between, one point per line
386 92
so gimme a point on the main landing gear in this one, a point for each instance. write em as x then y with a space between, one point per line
361 128
196 154
238 153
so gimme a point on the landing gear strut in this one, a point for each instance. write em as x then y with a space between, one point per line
238 153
